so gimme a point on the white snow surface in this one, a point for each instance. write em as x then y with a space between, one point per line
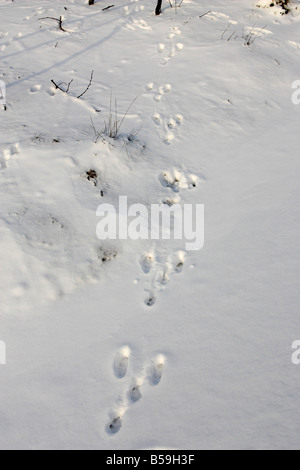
89 364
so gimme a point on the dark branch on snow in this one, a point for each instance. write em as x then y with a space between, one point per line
58 86
60 22
108 8
87 88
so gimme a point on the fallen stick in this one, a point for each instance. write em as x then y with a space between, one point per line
201 16
87 88
60 22
108 8
62 83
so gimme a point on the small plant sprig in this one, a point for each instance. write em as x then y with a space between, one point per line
248 38
113 125
251 37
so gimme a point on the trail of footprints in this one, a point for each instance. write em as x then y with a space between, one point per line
169 125
153 263
155 266
135 22
159 91
3 45
5 42
168 51
152 372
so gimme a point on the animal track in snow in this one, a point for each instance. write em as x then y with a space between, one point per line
150 300
170 51
157 369
168 138
8 42
169 126
174 264
177 180
133 393
161 47
35 88
135 8
134 23
159 266
4 45
147 262
115 424
175 31
8 153
177 261
139 23
171 201
179 46
158 91
121 362
161 271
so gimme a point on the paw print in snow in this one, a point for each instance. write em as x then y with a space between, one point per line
153 372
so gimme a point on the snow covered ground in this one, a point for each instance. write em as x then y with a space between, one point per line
208 363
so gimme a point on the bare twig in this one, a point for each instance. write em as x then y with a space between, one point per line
230 37
108 8
126 147
251 37
68 87
60 22
97 133
48 18
125 115
201 16
226 30
112 126
58 86
60 25
176 5
87 88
